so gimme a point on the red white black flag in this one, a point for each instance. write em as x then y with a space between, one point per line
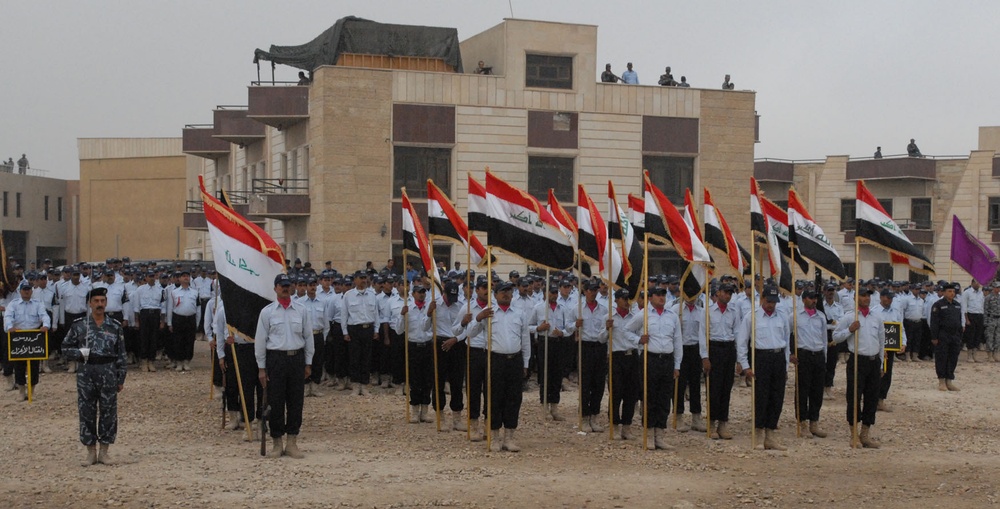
443 221
876 227
520 225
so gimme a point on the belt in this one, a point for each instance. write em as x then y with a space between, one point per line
593 344
803 351
317 331
914 319
867 357
769 350
720 342
661 355
507 355
423 344
144 311
626 353
290 353
363 325
476 349
100 360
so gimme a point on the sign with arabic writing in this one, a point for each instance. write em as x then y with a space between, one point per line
893 336
28 345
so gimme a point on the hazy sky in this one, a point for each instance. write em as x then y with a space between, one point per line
831 77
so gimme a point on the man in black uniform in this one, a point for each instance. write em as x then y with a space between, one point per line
946 336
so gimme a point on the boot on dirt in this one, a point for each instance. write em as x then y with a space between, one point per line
277 448
866 439
771 441
292 448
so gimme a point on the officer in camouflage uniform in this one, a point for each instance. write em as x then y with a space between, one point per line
100 377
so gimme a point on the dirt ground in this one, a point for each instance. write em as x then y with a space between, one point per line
939 449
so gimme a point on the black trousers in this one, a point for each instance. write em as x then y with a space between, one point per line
593 376
946 357
974 331
21 373
722 354
553 368
660 385
769 396
833 351
690 380
477 381
626 385
132 339
869 373
451 369
914 335
812 378
421 372
285 391
336 352
397 357
360 352
507 371
248 375
567 356
316 367
149 326
886 381
380 355
183 336
926 348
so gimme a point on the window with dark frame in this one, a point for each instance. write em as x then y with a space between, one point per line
5 204
886 204
994 213
17 205
46 208
671 174
412 166
920 213
548 71
59 208
551 172
848 218
883 271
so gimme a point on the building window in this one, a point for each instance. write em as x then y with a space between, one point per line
671 174
848 219
886 204
920 213
849 268
17 205
554 173
916 277
412 166
547 71
884 271
994 212
59 208
46 208
5 204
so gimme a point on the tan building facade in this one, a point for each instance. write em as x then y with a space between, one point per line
921 194
38 218
323 175
131 198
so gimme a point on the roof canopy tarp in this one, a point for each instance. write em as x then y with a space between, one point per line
362 36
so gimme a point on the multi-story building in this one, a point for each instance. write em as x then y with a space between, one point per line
920 193
38 215
322 166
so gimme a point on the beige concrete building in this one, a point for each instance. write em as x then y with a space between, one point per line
38 217
321 166
921 194
131 201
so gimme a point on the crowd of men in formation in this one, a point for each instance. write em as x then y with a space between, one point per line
350 332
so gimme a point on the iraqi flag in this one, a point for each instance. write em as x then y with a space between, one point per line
671 227
443 221
593 232
415 241
698 270
518 224
762 231
876 227
566 223
478 220
637 215
619 229
719 236
810 240
247 260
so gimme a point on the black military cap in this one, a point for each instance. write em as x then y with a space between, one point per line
514 274
97 292
887 293
657 291
310 280
810 294
505 286
622 294
24 286
282 280
482 283
864 291
451 289
771 294
673 279
75 270
726 287
592 285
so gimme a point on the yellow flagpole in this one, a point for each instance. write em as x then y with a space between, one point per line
239 385
753 347
611 350
857 287
434 348
645 347
406 340
579 342
545 369
468 340
680 326
489 349
795 341
708 375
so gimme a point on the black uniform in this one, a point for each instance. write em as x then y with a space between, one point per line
946 328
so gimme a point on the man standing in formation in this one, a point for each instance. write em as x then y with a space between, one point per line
870 338
98 345
182 321
360 324
283 347
724 319
25 314
811 352
772 356
414 321
593 334
447 312
665 354
946 336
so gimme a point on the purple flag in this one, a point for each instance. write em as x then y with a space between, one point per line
972 255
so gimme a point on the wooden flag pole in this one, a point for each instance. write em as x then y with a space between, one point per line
579 342
468 340
239 385
645 347
211 374
753 347
545 355
611 350
489 348
795 342
406 340
708 374
680 326
857 287
434 348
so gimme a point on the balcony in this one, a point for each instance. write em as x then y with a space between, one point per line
198 140
233 126
774 170
919 168
278 106
194 214
280 198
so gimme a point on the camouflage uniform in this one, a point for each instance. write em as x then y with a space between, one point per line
98 379
991 308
